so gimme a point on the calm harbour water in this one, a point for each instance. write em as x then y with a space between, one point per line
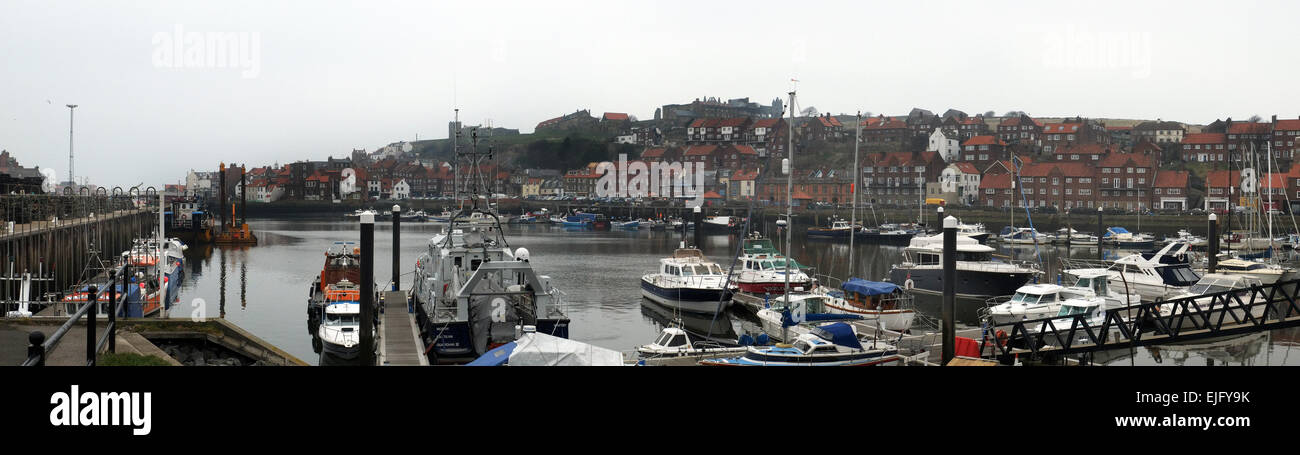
263 289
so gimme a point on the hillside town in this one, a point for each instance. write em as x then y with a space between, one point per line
1010 161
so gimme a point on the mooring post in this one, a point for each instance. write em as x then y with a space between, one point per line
367 288
699 228
949 288
112 311
397 243
1101 230
90 324
36 347
1213 242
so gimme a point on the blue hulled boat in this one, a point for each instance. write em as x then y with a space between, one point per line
833 344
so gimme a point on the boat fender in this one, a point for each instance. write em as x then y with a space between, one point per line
1002 337
745 340
762 339
908 284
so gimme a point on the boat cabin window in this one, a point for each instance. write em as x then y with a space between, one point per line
686 271
1047 298
927 259
970 256
803 346
673 270
333 319
716 269
1071 310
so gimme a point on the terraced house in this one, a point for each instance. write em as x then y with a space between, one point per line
1205 147
1022 129
899 177
1063 185
1286 137
1075 132
1127 180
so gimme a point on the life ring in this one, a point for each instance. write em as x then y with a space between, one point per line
908 284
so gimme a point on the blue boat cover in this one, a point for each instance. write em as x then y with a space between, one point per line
838 333
788 321
1115 231
495 357
865 287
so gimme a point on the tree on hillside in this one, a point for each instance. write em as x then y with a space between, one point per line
1254 118
810 112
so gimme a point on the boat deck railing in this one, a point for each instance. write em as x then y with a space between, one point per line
1069 264
1227 313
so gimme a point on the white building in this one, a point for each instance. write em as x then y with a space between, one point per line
948 147
961 180
401 190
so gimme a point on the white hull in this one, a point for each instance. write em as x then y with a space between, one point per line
895 320
691 306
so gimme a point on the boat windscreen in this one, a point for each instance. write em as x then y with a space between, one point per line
1178 275
1028 299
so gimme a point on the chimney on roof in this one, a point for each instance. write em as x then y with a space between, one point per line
1274 118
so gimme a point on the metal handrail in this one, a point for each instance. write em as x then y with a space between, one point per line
1229 312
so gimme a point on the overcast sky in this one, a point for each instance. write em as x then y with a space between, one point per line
328 77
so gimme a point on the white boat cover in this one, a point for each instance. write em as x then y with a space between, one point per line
539 349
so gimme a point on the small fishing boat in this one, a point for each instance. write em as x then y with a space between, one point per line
1071 236
340 328
834 344
342 264
689 282
1022 236
888 235
763 269
675 342
839 229
629 225
1184 236
874 301
974 231
1122 238
721 224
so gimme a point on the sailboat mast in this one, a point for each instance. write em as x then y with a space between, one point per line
789 204
455 162
853 188
1268 150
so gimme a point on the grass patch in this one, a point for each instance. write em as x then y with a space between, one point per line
109 359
